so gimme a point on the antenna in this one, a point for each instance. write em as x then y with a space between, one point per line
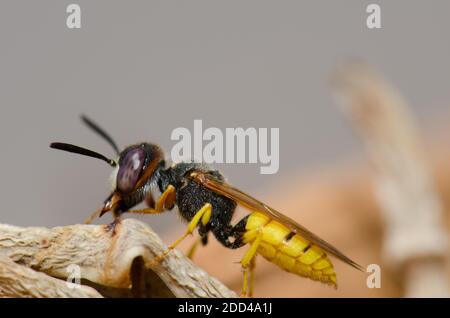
96 128
81 151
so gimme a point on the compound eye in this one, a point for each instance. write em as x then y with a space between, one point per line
130 170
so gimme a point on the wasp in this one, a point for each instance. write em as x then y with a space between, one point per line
207 203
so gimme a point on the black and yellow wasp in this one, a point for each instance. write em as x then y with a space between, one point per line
207 203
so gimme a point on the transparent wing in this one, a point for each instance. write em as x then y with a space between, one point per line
253 204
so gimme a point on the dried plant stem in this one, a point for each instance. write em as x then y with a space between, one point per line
415 240
115 265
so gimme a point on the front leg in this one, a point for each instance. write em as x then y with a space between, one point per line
165 202
111 227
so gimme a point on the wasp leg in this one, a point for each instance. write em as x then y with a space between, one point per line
224 233
203 215
112 226
193 248
247 264
252 276
93 216
202 239
165 202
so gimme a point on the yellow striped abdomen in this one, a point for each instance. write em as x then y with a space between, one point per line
290 251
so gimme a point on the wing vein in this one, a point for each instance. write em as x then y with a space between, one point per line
253 204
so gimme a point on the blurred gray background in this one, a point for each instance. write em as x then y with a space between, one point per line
143 68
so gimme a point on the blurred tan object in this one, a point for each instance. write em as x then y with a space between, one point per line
115 265
415 241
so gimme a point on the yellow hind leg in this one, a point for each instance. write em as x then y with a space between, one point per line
248 265
251 270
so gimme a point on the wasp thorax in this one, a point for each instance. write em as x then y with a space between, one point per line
130 167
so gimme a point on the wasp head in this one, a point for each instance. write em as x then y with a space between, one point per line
135 167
